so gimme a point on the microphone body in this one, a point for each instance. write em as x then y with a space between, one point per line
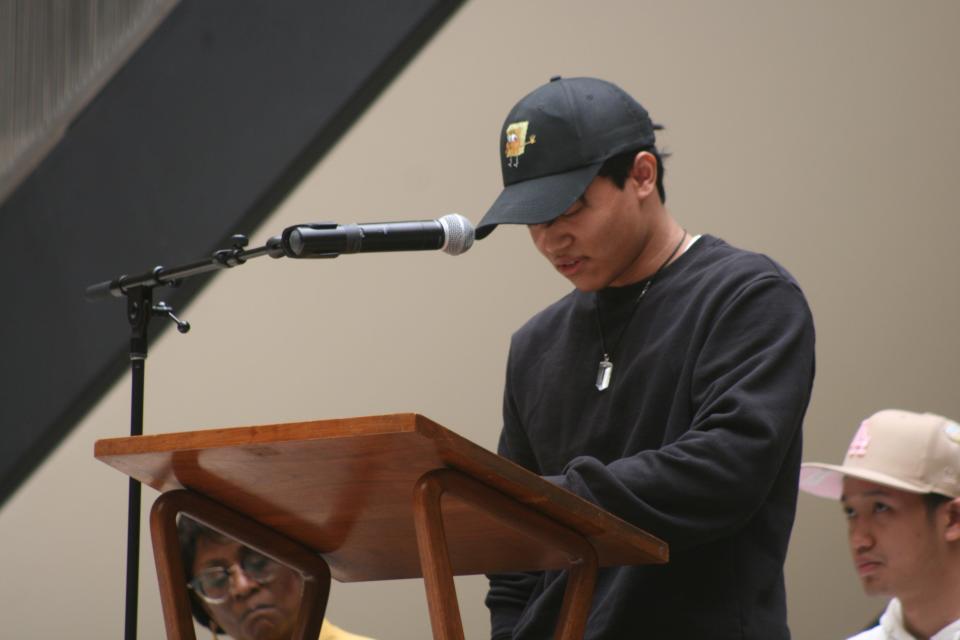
452 233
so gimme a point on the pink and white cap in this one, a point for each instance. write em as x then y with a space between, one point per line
915 452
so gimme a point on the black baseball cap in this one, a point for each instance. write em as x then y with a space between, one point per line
553 143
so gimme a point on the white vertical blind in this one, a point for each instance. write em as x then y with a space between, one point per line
55 55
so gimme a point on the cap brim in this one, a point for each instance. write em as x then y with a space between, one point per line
826 480
537 200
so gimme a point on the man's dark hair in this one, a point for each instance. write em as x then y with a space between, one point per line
934 500
189 531
618 167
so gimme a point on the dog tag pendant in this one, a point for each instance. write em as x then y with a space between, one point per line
604 371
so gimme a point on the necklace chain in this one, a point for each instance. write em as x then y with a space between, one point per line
605 370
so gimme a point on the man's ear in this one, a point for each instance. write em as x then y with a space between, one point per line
952 531
644 173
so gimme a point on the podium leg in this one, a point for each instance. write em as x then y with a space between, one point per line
435 560
435 557
313 570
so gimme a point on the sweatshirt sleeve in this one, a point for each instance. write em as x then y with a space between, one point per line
510 592
751 385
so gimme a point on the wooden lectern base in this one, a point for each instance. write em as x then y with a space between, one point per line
435 559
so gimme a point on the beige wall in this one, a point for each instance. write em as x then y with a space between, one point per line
824 133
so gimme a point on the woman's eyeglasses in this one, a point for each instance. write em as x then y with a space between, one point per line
213 584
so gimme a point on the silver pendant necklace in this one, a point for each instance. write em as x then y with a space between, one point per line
605 369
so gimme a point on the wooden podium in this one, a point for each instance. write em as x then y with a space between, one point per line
372 498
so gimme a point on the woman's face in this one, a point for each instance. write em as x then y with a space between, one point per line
260 596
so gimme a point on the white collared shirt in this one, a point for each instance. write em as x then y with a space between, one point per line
891 627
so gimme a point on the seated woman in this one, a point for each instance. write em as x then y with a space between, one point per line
240 592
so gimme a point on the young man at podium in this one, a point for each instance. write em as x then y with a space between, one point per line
668 387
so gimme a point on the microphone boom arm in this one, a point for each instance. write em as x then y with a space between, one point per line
220 259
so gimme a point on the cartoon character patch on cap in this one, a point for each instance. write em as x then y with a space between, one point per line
860 442
516 142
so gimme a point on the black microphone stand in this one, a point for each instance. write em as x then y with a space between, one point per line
298 241
140 310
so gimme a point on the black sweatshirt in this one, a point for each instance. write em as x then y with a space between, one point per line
697 441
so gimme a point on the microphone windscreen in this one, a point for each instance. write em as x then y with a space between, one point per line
458 233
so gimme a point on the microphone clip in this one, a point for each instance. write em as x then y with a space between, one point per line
291 240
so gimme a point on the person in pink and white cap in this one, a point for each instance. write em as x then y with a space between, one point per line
900 489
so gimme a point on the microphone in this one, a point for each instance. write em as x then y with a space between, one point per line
452 233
